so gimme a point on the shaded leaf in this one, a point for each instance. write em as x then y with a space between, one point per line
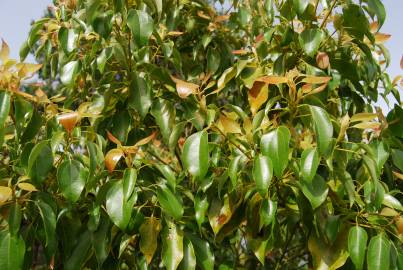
195 155
357 243
141 24
149 232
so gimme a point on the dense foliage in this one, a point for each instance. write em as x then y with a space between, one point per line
202 135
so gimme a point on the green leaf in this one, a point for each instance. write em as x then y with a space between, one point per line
189 257
226 76
233 169
381 153
310 40
397 158
14 219
71 177
354 21
129 182
309 164
323 129
40 162
169 202
275 145
34 125
357 243
49 223
140 95
141 24
172 246
149 232
204 256
4 107
67 39
262 173
12 251
69 72
267 212
315 191
79 254
164 114
118 207
213 60
378 8
378 255
201 205
195 155
168 174
300 6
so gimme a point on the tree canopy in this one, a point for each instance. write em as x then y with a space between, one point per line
198 134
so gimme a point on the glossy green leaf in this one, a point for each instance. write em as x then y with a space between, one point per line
12 251
40 162
67 39
195 155
71 177
4 107
357 244
397 158
378 8
309 164
267 212
129 182
164 114
234 169
204 257
169 202
14 219
140 95
172 246
49 224
275 145
315 191
310 40
141 24
300 6
262 173
323 129
79 254
168 174
118 207
189 257
378 255
69 72
201 205
33 127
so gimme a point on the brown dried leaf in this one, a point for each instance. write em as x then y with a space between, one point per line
147 139
113 138
183 88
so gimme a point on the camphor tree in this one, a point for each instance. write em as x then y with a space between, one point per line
206 135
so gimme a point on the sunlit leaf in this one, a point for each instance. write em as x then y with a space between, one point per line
112 158
195 155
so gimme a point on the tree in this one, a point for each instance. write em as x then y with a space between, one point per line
209 135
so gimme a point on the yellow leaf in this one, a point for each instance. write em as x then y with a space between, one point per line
363 117
367 125
221 18
257 96
183 88
27 187
398 175
112 158
273 79
381 38
175 33
343 127
228 125
374 27
69 120
5 194
149 232
4 52
316 80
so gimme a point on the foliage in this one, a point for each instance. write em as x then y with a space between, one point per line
191 134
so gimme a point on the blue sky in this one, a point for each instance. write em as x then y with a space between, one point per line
16 15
